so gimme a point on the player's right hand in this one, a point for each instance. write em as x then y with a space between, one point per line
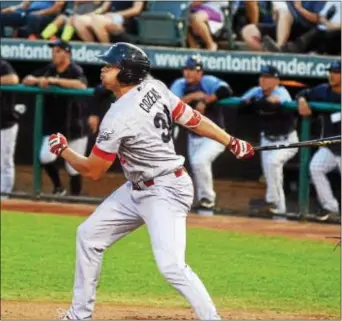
303 107
57 143
43 82
240 148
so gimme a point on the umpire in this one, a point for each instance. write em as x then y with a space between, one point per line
277 126
64 114
201 92
9 127
326 158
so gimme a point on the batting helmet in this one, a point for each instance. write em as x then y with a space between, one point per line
132 61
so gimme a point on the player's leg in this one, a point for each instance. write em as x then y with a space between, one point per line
79 145
322 163
8 142
164 210
274 173
112 220
47 159
201 163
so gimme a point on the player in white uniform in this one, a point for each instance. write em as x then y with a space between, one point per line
159 192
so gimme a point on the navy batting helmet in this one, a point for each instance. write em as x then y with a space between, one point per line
132 61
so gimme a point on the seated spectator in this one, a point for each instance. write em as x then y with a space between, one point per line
245 12
115 22
33 14
78 19
291 20
325 38
206 18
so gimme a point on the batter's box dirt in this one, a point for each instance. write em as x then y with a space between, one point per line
20 310
299 230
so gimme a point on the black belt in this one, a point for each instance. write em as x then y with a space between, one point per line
178 172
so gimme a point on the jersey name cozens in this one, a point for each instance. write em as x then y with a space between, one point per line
151 97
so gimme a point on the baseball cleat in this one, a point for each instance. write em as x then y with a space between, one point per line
324 215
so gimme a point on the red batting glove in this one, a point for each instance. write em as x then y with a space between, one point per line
240 148
57 144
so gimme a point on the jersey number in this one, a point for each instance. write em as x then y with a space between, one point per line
160 122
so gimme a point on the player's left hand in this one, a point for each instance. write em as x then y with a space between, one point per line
57 143
240 148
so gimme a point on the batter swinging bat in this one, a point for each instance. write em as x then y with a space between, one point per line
308 143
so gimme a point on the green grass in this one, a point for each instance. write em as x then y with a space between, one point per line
240 270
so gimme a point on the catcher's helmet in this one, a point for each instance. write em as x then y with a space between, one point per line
132 61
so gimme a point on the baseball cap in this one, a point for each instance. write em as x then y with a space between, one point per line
269 71
194 62
61 44
335 66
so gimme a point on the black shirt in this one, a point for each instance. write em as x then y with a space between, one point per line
331 121
8 116
65 114
275 120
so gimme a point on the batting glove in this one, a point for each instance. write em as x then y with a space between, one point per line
57 144
240 148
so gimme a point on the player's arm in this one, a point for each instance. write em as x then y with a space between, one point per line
184 115
38 77
78 79
94 166
302 98
177 88
68 83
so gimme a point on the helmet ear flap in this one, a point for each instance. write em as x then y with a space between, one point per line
121 77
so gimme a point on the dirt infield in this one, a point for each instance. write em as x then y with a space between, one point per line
239 224
50 311
20 310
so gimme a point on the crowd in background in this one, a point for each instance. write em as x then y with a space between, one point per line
276 26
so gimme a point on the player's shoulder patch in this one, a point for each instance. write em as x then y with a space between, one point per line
104 135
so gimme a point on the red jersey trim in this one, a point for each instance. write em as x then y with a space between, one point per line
110 157
178 111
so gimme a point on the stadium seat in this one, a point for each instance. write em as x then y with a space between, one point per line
164 23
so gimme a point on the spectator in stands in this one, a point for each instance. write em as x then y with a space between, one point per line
277 126
292 19
206 18
245 12
201 92
327 158
9 128
78 19
35 15
112 23
325 38
65 114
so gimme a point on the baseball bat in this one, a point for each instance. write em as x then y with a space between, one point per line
307 143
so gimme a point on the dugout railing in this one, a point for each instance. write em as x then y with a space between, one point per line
304 156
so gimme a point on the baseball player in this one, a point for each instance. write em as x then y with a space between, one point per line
326 158
9 127
201 92
159 192
62 113
278 126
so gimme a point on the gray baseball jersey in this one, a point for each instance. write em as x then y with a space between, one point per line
138 127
